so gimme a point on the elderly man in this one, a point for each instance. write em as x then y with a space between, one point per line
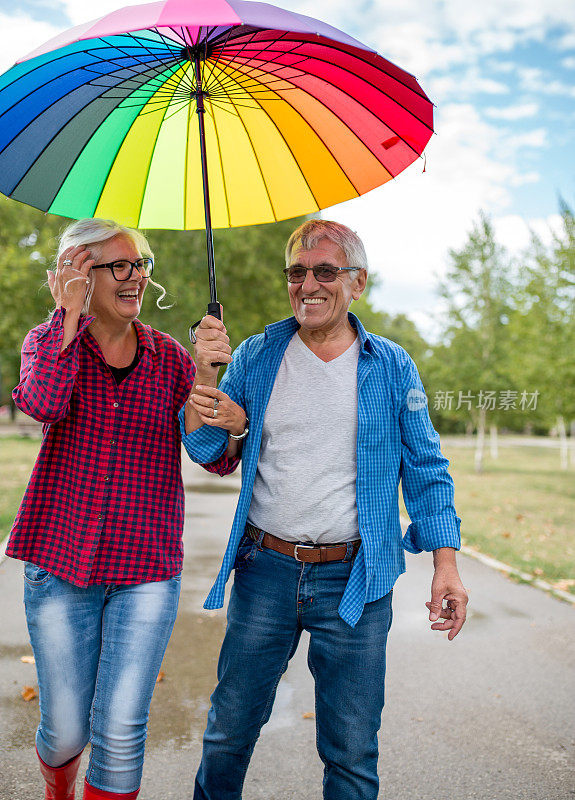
336 417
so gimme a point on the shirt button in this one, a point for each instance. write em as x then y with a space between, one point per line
113 441
116 405
100 516
106 477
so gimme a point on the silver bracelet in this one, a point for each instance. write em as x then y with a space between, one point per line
242 435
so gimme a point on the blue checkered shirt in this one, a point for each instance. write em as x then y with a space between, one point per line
395 441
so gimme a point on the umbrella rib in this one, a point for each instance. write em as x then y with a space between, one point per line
131 35
274 59
384 122
171 93
35 89
257 162
327 43
377 88
296 162
155 80
137 73
150 160
214 65
122 50
321 140
213 116
91 51
169 43
47 145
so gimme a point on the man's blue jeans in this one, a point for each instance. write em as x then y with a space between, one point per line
98 652
274 598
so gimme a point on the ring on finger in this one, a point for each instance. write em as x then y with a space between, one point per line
67 263
215 412
216 403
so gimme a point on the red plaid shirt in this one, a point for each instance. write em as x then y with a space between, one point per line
105 503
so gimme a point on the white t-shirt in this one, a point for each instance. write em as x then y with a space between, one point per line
304 489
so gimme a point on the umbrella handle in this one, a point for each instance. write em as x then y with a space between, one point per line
214 310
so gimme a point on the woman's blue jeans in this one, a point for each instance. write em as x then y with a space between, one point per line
274 598
98 652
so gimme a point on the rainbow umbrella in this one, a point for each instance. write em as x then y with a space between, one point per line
191 113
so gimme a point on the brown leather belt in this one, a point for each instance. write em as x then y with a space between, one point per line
314 554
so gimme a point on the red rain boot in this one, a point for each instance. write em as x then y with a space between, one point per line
60 781
91 793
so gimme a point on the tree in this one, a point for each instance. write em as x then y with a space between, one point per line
27 247
470 361
542 327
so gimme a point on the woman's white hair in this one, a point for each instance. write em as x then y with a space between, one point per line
93 233
313 231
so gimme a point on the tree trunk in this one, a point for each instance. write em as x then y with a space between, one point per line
480 443
572 443
563 443
493 442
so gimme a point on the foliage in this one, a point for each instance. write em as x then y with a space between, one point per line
470 360
508 326
27 247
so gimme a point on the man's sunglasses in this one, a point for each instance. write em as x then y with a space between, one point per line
122 270
323 273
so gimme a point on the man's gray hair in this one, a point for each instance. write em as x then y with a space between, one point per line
93 233
313 231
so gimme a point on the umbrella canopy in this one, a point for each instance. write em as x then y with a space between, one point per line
101 121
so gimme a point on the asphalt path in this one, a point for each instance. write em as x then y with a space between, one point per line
489 716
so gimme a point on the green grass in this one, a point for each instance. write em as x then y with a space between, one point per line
520 509
17 457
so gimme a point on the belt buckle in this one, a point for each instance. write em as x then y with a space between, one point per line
304 547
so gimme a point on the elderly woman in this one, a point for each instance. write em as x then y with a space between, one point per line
100 525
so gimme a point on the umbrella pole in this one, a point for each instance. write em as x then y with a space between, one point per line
213 306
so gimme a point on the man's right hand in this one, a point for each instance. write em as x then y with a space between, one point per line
212 346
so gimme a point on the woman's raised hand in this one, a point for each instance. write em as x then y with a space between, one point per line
70 281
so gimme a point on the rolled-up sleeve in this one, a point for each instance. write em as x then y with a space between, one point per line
207 445
426 483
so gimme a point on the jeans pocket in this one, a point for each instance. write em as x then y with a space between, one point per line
35 575
245 554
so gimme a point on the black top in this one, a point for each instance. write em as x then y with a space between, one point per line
121 373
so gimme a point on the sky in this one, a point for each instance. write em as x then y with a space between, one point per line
502 76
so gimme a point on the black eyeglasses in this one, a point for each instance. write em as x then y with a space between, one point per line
122 270
323 273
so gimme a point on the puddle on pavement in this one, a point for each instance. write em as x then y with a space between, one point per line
211 488
475 616
181 701
14 651
514 612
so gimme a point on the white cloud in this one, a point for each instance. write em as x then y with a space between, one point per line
514 232
567 41
568 63
19 35
409 224
462 86
525 178
535 80
534 138
512 113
